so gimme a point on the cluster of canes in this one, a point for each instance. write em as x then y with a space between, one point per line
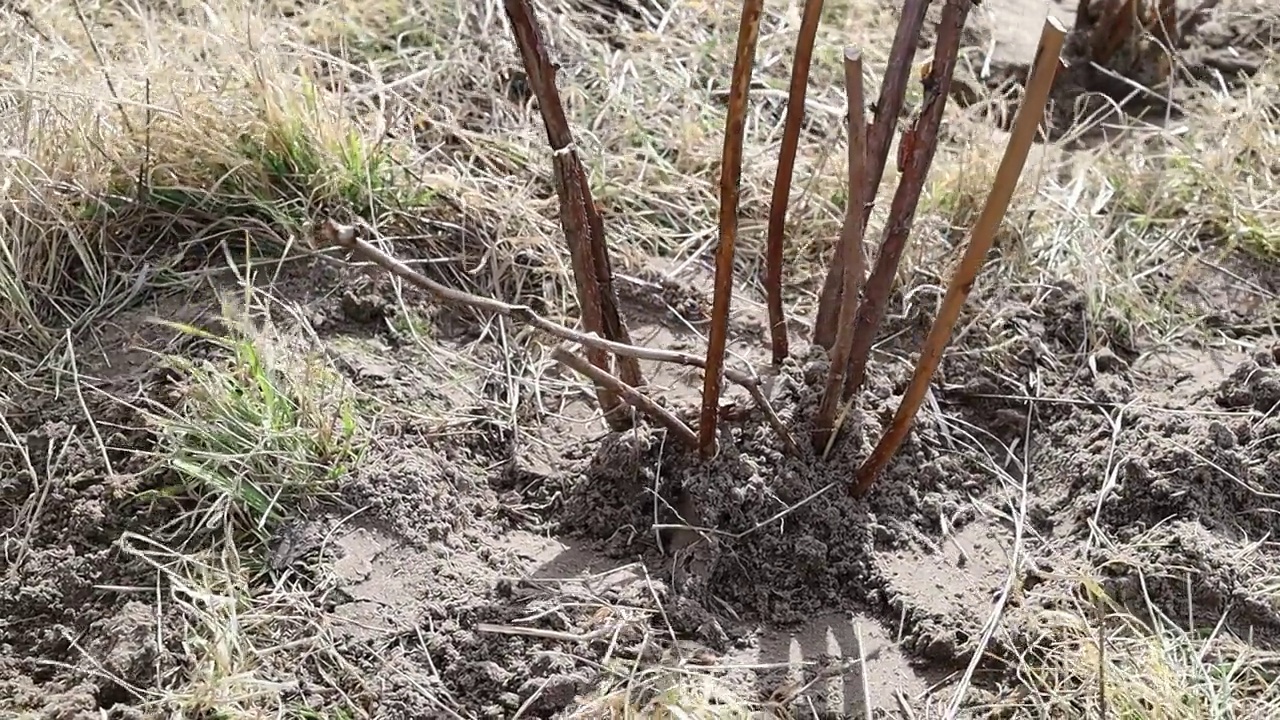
852 301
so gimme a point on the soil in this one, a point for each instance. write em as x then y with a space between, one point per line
512 561
490 571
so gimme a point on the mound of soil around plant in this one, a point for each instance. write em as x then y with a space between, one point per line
1082 447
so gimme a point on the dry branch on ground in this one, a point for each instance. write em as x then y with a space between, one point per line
333 234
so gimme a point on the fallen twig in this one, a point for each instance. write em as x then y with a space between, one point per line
782 179
779 427
868 711
629 395
330 233
879 137
851 241
581 221
904 705
543 633
918 144
981 237
730 176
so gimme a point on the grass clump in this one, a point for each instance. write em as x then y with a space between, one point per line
260 432
1136 663
668 691
241 644
1215 182
1138 222
261 427
181 135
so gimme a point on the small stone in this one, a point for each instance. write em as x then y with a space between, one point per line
1221 435
1107 361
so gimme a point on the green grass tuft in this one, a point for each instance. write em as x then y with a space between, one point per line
261 427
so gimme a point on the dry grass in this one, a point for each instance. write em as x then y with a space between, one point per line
1140 220
365 106
142 144
1131 660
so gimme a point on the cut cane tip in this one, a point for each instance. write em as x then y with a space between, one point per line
330 232
342 234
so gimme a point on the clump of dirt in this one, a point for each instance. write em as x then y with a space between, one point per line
1169 449
773 536
1231 39
1185 476
65 641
